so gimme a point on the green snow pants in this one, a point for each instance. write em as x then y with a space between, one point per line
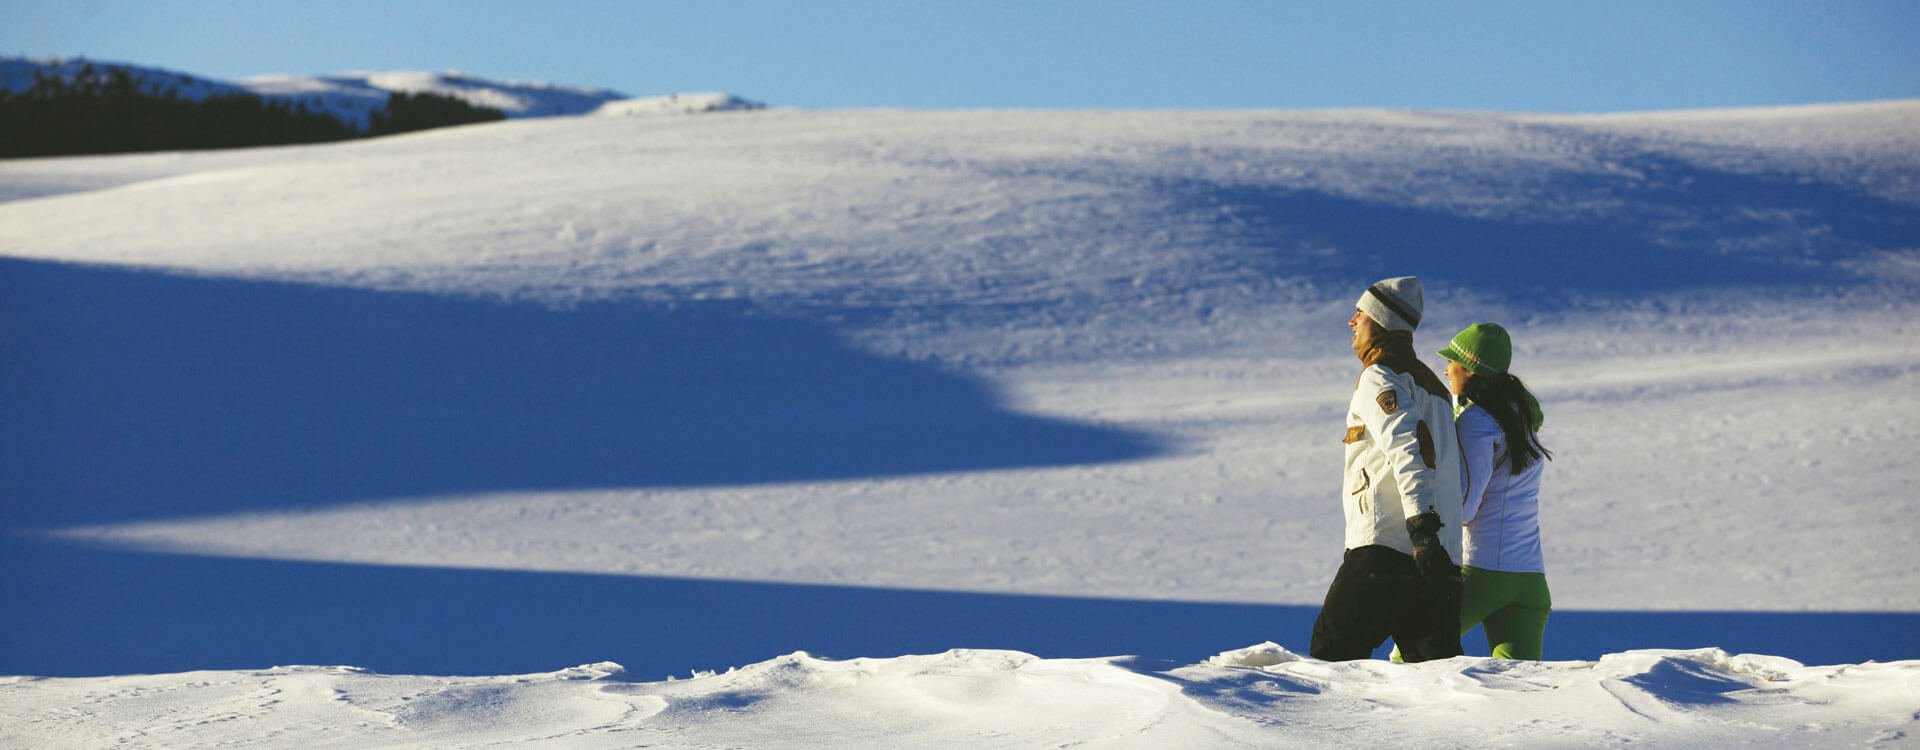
1511 607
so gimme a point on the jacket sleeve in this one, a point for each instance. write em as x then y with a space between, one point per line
1480 438
1394 426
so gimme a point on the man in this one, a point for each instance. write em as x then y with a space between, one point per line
1402 496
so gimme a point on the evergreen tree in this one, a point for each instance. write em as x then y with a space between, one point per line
106 111
409 112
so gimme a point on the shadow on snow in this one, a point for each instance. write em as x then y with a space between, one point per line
129 395
1670 226
82 610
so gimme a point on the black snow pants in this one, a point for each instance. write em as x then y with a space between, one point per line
1377 594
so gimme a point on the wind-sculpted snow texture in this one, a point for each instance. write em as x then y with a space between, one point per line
1261 696
689 392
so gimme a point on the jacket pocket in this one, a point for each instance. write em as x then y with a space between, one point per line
1366 483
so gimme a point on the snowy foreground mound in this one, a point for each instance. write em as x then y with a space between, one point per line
1263 696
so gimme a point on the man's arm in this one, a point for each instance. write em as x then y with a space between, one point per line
1408 444
1397 432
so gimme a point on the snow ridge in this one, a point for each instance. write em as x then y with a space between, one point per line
1259 696
677 104
353 96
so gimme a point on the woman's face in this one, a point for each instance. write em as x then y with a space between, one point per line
1457 377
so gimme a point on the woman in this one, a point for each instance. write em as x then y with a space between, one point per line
1498 422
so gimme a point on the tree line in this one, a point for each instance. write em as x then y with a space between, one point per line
106 111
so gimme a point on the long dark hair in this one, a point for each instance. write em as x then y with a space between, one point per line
1507 399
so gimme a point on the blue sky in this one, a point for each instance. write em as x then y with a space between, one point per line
1544 55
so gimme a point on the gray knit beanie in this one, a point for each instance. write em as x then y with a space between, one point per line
1393 303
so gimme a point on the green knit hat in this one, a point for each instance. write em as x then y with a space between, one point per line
1482 347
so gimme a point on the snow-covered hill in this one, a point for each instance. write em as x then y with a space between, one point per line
689 395
355 97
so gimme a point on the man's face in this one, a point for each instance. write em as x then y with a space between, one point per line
1365 331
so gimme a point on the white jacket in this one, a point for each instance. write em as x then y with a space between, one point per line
1502 508
1403 459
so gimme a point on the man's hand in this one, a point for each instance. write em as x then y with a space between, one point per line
1436 566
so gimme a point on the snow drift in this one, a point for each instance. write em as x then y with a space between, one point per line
1259 696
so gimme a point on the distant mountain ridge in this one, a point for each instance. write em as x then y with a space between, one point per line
355 97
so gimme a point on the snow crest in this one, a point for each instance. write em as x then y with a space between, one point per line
975 698
677 104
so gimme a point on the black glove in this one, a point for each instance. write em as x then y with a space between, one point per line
1436 566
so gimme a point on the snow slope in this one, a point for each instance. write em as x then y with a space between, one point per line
693 394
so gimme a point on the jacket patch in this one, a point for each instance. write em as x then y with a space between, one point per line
1426 443
1354 434
1389 402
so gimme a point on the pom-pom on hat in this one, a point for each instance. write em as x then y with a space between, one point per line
1393 303
1482 347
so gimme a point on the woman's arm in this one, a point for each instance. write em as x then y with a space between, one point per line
1480 438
